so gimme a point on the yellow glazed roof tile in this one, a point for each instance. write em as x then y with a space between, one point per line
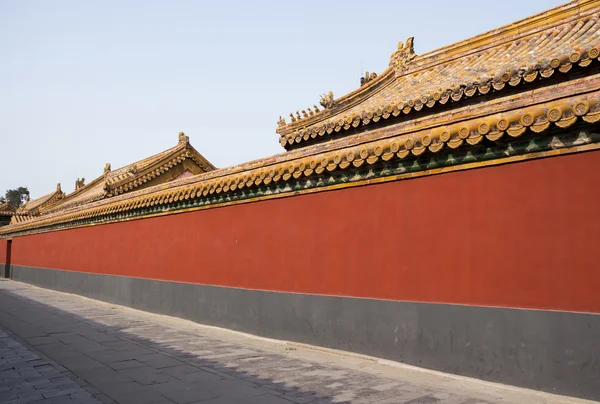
418 83
124 179
7 209
537 119
552 44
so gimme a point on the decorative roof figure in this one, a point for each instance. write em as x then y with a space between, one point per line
79 183
404 54
281 121
327 100
106 168
367 78
183 138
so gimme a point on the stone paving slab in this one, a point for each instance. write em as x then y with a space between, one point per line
27 378
68 349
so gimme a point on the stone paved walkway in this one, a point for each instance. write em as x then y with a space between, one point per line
81 349
27 378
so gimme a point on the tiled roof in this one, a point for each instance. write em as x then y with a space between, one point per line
6 209
221 187
36 202
90 192
537 48
132 175
124 179
33 205
509 126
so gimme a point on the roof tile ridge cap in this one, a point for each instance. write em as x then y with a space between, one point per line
47 197
163 157
158 164
86 186
372 87
192 150
68 198
197 154
124 169
508 33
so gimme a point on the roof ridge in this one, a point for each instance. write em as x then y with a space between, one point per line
510 32
497 127
149 158
564 37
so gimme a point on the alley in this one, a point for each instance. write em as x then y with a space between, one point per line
61 348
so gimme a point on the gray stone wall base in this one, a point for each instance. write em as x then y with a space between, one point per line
557 352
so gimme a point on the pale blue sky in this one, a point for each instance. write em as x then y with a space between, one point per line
83 83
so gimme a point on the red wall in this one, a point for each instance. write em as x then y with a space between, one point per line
517 235
3 244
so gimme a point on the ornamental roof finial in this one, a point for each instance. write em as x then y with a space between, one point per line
183 138
58 188
106 168
327 100
404 54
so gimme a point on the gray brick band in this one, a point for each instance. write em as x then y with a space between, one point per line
557 352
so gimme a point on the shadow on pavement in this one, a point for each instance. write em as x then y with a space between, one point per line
116 364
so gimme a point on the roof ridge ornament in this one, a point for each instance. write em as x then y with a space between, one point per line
79 183
367 78
306 113
183 138
404 54
327 100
